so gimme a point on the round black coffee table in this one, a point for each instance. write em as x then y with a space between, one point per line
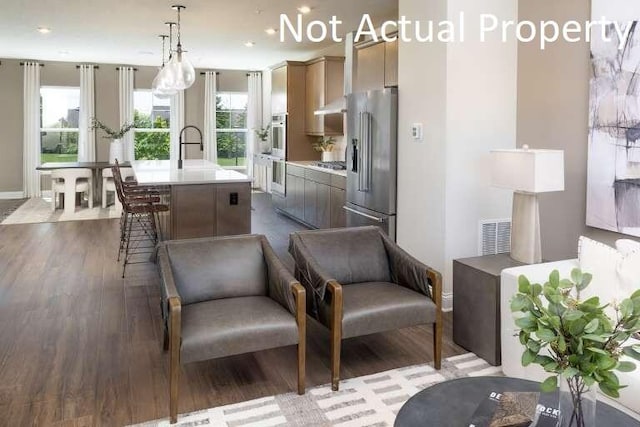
452 403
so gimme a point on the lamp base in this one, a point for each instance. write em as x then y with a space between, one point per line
525 229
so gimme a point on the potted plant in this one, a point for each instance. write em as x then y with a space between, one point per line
116 149
263 136
584 344
324 145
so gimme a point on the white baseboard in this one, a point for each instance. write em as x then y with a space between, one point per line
447 301
6 195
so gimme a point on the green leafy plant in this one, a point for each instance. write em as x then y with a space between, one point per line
263 133
584 345
324 144
111 134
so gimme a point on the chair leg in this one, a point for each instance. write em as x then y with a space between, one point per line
53 201
336 341
437 344
104 193
174 363
302 351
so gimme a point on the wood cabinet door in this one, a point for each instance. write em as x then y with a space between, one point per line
193 211
391 64
311 203
279 90
315 97
323 209
338 217
233 209
370 68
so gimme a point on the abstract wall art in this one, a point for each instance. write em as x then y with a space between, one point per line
613 184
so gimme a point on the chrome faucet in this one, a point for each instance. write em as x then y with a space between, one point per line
181 143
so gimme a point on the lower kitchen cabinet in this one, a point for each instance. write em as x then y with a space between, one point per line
338 216
314 198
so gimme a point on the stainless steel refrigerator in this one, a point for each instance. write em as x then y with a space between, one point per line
371 159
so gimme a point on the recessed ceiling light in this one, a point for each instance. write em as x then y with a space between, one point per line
63 52
146 52
44 30
304 9
249 44
271 31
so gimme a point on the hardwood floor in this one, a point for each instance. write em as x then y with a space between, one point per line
79 346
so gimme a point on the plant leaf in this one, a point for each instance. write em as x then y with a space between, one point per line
570 372
608 390
626 308
631 352
566 284
625 366
554 278
523 284
534 346
536 289
546 335
518 303
597 350
591 326
576 276
528 357
571 315
550 384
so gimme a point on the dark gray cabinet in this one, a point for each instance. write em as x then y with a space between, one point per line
314 197
338 216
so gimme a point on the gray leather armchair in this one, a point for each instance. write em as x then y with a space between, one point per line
227 296
359 282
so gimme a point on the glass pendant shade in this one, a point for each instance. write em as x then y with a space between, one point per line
180 74
160 86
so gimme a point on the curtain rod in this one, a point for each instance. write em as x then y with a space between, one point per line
203 73
97 67
22 63
118 68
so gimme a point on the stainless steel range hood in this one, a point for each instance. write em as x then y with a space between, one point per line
338 106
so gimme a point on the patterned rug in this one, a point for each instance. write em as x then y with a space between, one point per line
7 207
372 400
38 210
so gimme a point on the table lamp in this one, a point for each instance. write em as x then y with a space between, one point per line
527 172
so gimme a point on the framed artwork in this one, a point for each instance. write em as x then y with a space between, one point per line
613 184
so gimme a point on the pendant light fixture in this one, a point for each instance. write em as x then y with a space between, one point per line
180 73
159 85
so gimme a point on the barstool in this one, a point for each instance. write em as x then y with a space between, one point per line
109 186
139 222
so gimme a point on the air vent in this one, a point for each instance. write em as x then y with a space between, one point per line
494 237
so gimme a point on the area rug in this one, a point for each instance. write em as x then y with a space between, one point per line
7 207
38 210
372 400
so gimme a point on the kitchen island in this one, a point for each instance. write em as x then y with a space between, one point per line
204 199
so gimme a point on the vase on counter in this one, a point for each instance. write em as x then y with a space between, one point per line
326 156
116 151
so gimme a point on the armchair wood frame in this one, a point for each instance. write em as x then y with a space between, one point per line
172 336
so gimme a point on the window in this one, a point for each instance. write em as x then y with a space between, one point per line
59 113
231 127
151 116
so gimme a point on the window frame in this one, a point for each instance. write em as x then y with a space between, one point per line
245 130
75 130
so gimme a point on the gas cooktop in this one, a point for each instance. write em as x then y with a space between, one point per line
335 165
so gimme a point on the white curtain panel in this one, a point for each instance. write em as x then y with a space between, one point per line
126 86
176 123
254 117
210 138
31 143
87 136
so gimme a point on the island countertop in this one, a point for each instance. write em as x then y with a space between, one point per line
163 172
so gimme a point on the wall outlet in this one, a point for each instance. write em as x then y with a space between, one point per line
416 132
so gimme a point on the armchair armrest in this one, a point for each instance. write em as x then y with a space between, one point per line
312 275
411 273
170 296
283 287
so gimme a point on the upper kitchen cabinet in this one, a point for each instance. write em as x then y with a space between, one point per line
288 93
324 86
377 66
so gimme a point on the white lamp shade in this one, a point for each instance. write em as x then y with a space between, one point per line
526 170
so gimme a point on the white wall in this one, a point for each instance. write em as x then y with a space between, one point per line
465 94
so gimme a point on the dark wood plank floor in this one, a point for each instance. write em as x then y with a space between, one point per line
79 346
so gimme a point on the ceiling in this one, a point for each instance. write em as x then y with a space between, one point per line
213 31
